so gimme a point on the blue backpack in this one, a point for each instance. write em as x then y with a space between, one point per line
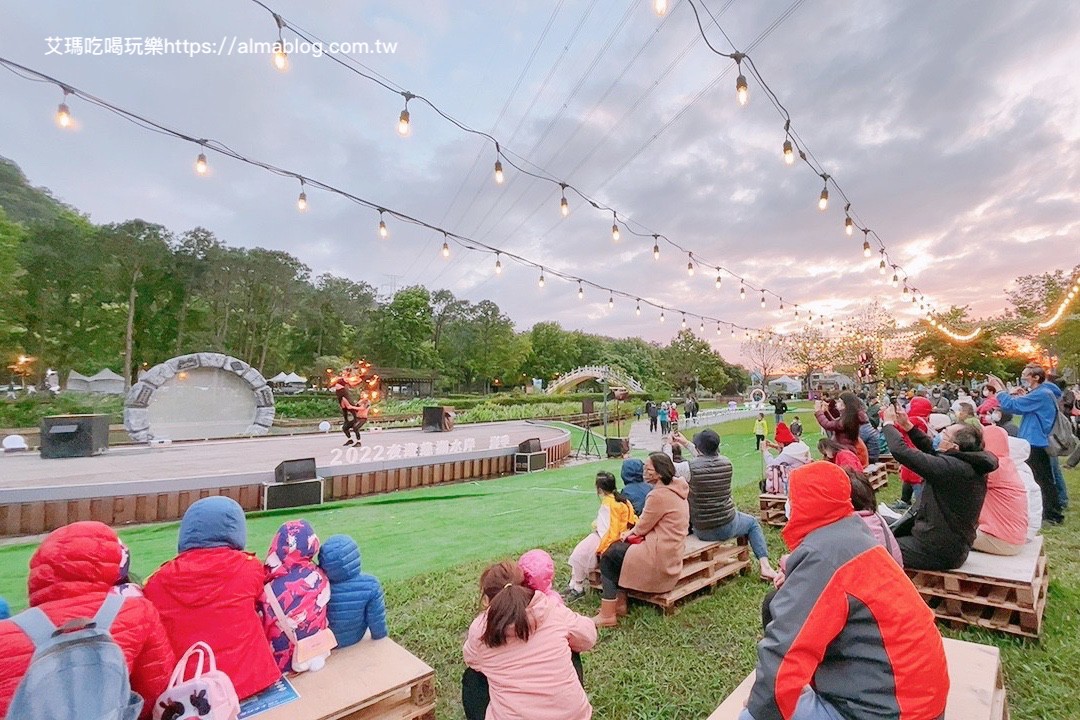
77 672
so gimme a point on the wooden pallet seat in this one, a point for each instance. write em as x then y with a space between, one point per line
976 689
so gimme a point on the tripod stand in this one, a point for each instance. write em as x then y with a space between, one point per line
587 446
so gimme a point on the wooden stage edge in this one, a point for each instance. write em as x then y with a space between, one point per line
160 501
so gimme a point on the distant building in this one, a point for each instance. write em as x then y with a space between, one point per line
831 382
785 384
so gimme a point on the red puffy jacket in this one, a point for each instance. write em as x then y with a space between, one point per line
209 594
70 574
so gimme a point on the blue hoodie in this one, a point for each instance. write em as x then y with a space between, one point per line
5 611
634 486
356 599
1039 408
213 522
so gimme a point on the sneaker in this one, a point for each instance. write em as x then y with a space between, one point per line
1058 520
899 506
571 595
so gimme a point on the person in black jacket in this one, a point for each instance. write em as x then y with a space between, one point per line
651 411
947 515
712 511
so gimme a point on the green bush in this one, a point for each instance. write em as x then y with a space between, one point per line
28 410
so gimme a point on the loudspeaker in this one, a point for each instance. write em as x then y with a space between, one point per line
588 406
531 445
617 447
293 470
67 436
292 494
435 420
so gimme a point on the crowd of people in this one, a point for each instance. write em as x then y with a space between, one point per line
846 634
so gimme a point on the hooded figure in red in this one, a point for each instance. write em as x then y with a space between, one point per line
209 592
848 628
783 434
919 411
71 573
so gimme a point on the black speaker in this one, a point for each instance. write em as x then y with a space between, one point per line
293 494
531 445
293 470
588 406
67 436
435 419
617 447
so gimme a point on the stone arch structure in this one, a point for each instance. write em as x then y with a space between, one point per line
212 394
594 372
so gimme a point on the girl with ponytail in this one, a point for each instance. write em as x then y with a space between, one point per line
518 629
615 516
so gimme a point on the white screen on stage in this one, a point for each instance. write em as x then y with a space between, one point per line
202 403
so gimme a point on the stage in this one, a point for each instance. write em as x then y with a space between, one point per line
154 483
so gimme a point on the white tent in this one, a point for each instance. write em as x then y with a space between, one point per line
785 384
293 379
78 382
279 378
106 382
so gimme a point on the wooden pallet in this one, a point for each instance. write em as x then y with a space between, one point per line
892 467
705 564
878 475
973 595
372 680
976 688
771 509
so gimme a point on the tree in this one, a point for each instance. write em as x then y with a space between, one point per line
11 239
689 361
400 332
952 359
1034 299
765 356
552 351
810 350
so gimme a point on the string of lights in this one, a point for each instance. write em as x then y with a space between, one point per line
1055 318
794 144
621 222
64 119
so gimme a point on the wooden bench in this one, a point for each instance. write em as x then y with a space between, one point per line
996 592
976 690
771 509
372 680
705 564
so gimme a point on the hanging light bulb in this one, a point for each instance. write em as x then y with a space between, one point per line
637 310
200 164
881 265
541 283
762 298
403 128
781 304
445 249
661 316
849 225
383 232
564 206
301 202
717 328
732 331
823 200
690 266
498 265
281 58
63 114
895 278
742 90
580 291
498 172
660 7
742 291
684 321
789 153
866 244
701 329
614 226
656 251
611 302
718 280
796 311
913 300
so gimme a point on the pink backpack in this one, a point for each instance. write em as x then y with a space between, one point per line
207 695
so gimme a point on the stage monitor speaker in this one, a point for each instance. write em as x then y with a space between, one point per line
293 470
588 406
292 494
617 447
435 419
68 436
532 445
528 462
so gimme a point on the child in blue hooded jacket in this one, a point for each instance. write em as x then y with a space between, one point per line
356 601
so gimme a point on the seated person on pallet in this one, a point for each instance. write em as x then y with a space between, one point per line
850 638
712 511
615 516
793 453
1003 521
648 558
938 532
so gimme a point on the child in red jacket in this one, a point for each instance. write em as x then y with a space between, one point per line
209 592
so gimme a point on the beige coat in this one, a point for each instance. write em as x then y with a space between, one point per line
655 564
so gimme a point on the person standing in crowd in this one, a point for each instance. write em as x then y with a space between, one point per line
849 636
780 409
845 430
651 411
796 427
965 413
761 429
712 510
665 418
673 416
1038 405
938 533
940 402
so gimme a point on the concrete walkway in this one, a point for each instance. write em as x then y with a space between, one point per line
642 439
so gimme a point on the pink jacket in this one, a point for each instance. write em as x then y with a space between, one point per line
1004 511
535 680
881 532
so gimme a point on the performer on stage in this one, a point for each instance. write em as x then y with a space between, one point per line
351 413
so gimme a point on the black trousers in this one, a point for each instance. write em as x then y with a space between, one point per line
1039 462
349 423
611 567
652 423
475 696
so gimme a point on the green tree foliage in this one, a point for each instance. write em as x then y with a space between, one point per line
400 333
952 359
1034 299
690 362
11 239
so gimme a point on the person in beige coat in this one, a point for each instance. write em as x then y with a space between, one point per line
649 557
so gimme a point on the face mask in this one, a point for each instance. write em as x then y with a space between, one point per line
995 417
937 441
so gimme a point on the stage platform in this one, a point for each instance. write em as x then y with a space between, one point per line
142 483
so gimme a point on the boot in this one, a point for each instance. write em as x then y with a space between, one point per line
607 616
620 604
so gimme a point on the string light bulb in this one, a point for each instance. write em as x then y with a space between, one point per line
742 90
498 264
445 249
718 280
732 331
895 278
614 226
701 328
661 316
564 206
742 291
637 310
498 172
762 298
656 251
690 266
789 153
301 201
866 244
200 164
580 291
823 199
611 302
541 283
403 127
718 328
684 321
849 225
881 265
383 232
281 58
63 114
660 7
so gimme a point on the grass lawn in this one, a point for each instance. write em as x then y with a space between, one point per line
430 545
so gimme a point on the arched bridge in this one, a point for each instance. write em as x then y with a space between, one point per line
575 377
